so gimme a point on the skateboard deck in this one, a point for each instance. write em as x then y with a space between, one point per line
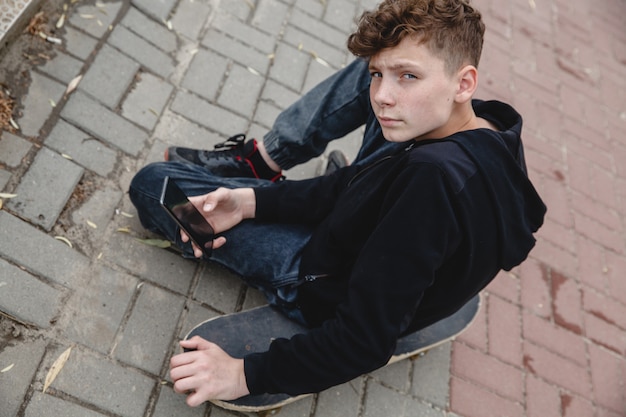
240 334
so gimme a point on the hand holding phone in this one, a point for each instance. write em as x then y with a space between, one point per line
187 217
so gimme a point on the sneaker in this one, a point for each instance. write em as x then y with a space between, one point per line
231 158
336 160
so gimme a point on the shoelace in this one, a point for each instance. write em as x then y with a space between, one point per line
233 145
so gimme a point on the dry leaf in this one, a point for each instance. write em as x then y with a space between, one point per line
73 84
159 243
321 61
56 368
253 71
7 369
61 21
64 240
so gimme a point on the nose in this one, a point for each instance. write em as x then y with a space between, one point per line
383 93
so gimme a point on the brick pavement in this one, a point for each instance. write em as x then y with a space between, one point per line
550 339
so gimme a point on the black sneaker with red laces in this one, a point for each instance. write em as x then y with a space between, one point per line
232 158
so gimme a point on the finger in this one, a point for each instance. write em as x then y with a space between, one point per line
219 242
183 236
195 399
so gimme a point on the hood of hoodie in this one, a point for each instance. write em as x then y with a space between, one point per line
500 161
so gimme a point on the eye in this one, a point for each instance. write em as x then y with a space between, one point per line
409 76
376 74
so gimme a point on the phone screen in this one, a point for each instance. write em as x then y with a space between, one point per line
187 216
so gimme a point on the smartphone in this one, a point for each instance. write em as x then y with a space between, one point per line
188 218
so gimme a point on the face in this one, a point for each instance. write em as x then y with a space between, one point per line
411 94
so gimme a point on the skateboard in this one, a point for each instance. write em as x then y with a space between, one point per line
240 334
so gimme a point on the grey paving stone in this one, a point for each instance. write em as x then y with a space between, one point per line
333 56
5 176
146 101
341 14
47 405
290 66
82 148
152 31
27 298
172 404
109 76
239 52
317 28
158 9
239 9
13 149
95 312
265 115
269 16
382 401
395 375
190 18
207 114
25 357
63 67
55 260
254 298
317 73
97 211
247 34
177 130
147 336
218 288
205 74
142 51
45 188
97 120
341 401
38 104
278 95
95 19
431 376
102 383
77 43
162 267
314 8
196 314
241 90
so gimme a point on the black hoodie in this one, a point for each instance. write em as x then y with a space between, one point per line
398 245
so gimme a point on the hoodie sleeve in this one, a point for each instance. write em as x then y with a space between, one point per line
396 265
305 201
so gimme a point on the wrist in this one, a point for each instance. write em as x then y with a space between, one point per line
248 203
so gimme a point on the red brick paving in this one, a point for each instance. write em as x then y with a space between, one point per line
550 339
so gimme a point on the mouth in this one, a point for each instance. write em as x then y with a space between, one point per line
388 121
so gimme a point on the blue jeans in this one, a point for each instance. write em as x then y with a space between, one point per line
331 110
267 256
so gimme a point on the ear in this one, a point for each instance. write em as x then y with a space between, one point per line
468 83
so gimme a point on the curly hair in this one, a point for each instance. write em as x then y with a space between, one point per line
452 30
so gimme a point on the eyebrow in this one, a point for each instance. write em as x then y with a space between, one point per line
402 65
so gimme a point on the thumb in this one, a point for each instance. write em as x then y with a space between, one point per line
196 343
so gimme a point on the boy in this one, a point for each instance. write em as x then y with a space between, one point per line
372 251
